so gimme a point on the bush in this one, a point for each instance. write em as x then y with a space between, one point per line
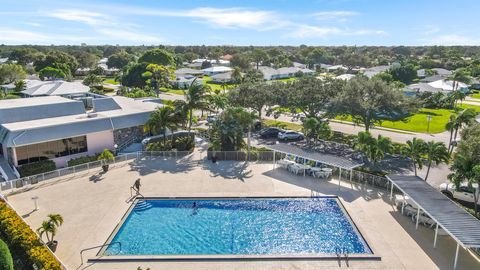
37 168
23 241
6 261
184 143
81 160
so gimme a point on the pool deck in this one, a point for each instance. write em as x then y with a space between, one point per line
94 203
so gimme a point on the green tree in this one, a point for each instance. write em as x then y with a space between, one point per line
158 76
48 73
369 101
252 95
11 72
313 97
237 75
315 129
120 60
464 118
59 60
6 260
157 56
50 226
466 161
24 55
92 80
374 148
195 99
240 60
226 134
132 75
403 73
414 150
259 56
86 59
437 153
160 121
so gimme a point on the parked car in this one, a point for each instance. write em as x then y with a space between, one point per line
271 132
290 135
464 193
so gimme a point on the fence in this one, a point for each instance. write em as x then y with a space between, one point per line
122 160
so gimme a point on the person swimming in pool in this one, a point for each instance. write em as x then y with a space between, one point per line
194 209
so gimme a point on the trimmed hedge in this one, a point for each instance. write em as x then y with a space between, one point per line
81 160
37 168
6 261
20 238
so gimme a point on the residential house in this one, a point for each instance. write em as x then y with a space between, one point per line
345 77
216 70
59 128
182 72
35 88
222 77
283 73
183 82
443 86
370 72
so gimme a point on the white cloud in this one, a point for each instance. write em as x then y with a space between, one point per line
310 31
431 29
77 15
334 15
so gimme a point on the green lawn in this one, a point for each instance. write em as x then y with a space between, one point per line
285 80
419 123
215 86
477 95
110 81
281 124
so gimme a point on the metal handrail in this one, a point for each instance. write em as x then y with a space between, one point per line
101 246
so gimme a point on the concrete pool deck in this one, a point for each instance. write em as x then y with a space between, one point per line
94 203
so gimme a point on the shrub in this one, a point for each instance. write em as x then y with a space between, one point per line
6 261
184 143
108 89
37 168
106 156
18 235
82 160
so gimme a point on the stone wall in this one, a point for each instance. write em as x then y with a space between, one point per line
120 136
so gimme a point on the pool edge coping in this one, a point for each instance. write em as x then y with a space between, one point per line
99 257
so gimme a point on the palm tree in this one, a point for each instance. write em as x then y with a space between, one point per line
464 118
414 150
49 227
161 120
195 99
217 102
451 126
374 148
436 152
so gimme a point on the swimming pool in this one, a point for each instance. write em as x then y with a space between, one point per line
253 226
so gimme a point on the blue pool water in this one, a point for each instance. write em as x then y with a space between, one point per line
237 226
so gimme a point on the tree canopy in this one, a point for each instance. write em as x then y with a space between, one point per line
157 56
10 73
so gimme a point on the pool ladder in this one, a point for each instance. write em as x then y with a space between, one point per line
342 252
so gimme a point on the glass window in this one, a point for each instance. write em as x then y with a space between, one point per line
48 150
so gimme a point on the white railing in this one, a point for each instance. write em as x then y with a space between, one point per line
122 160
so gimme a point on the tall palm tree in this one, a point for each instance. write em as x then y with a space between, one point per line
436 152
464 118
414 150
47 228
374 148
451 126
161 120
195 99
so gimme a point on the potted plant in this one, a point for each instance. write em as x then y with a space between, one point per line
49 228
106 156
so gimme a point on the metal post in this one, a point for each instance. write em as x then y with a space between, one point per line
456 257
418 217
274 160
435 239
339 177
351 176
391 191
304 165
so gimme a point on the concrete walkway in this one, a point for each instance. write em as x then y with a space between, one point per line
93 204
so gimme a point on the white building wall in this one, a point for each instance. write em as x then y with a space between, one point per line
96 142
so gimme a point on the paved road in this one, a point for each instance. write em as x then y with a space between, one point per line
401 136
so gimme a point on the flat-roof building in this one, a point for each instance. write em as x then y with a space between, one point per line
59 128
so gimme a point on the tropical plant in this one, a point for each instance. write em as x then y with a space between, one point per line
158 76
195 99
50 226
374 148
415 149
315 129
464 118
437 153
163 119
226 133
6 260
106 156
252 95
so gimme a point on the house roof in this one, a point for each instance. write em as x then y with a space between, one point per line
370 72
446 85
53 88
434 78
222 76
57 118
424 87
218 69
188 71
345 77
268 71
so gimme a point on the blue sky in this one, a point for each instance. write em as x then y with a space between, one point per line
248 22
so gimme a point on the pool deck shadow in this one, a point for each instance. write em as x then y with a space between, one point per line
228 169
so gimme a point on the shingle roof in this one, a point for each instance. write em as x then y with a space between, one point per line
462 226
